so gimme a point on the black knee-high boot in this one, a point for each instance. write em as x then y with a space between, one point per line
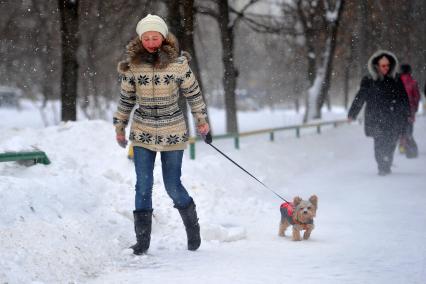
190 220
143 221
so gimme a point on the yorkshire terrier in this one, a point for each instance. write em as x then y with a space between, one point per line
300 214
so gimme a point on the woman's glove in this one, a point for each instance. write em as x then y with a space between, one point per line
204 131
121 140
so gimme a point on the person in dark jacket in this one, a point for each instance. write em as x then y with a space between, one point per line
387 109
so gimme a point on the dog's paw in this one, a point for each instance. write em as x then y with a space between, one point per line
296 235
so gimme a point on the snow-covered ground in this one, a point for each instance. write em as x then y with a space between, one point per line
71 221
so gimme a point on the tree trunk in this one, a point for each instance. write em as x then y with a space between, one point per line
311 55
46 56
230 72
92 88
312 72
69 35
181 19
188 43
296 104
348 66
177 28
174 9
318 91
346 87
188 37
307 19
364 46
332 29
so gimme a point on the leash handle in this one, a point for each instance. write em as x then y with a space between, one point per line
235 163
207 138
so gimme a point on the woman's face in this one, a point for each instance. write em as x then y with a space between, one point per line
384 66
151 41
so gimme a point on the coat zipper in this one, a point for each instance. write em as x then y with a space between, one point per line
155 111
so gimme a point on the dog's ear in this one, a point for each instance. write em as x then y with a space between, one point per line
314 200
297 201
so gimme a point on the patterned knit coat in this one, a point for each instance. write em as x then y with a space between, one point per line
153 83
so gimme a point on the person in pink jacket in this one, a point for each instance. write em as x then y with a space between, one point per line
407 143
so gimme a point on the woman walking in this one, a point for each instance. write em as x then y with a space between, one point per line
153 77
387 110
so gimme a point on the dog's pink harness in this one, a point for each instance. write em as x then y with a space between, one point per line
287 210
289 207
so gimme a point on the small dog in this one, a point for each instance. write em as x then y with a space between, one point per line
300 214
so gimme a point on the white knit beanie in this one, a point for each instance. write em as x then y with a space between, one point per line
152 23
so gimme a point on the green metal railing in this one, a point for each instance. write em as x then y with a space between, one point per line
271 131
35 156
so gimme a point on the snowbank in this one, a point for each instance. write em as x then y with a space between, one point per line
72 218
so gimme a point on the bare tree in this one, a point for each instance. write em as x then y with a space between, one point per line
44 38
332 16
319 21
181 24
228 19
46 42
69 35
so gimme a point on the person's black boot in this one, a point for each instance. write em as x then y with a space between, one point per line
384 171
143 221
190 220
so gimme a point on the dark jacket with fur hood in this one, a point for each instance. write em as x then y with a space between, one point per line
154 82
387 108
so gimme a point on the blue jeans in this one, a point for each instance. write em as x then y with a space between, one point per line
171 163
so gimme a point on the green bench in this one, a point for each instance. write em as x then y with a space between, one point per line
32 156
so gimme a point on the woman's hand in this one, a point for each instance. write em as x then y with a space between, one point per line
203 129
121 140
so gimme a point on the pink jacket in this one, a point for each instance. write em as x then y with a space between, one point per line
412 89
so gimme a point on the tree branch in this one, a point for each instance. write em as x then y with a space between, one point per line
240 14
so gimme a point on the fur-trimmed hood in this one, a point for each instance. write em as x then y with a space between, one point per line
137 54
373 62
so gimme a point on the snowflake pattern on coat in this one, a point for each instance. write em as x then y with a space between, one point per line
168 79
143 80
173 139
156 80
185 137
132 81
145 137
159 139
